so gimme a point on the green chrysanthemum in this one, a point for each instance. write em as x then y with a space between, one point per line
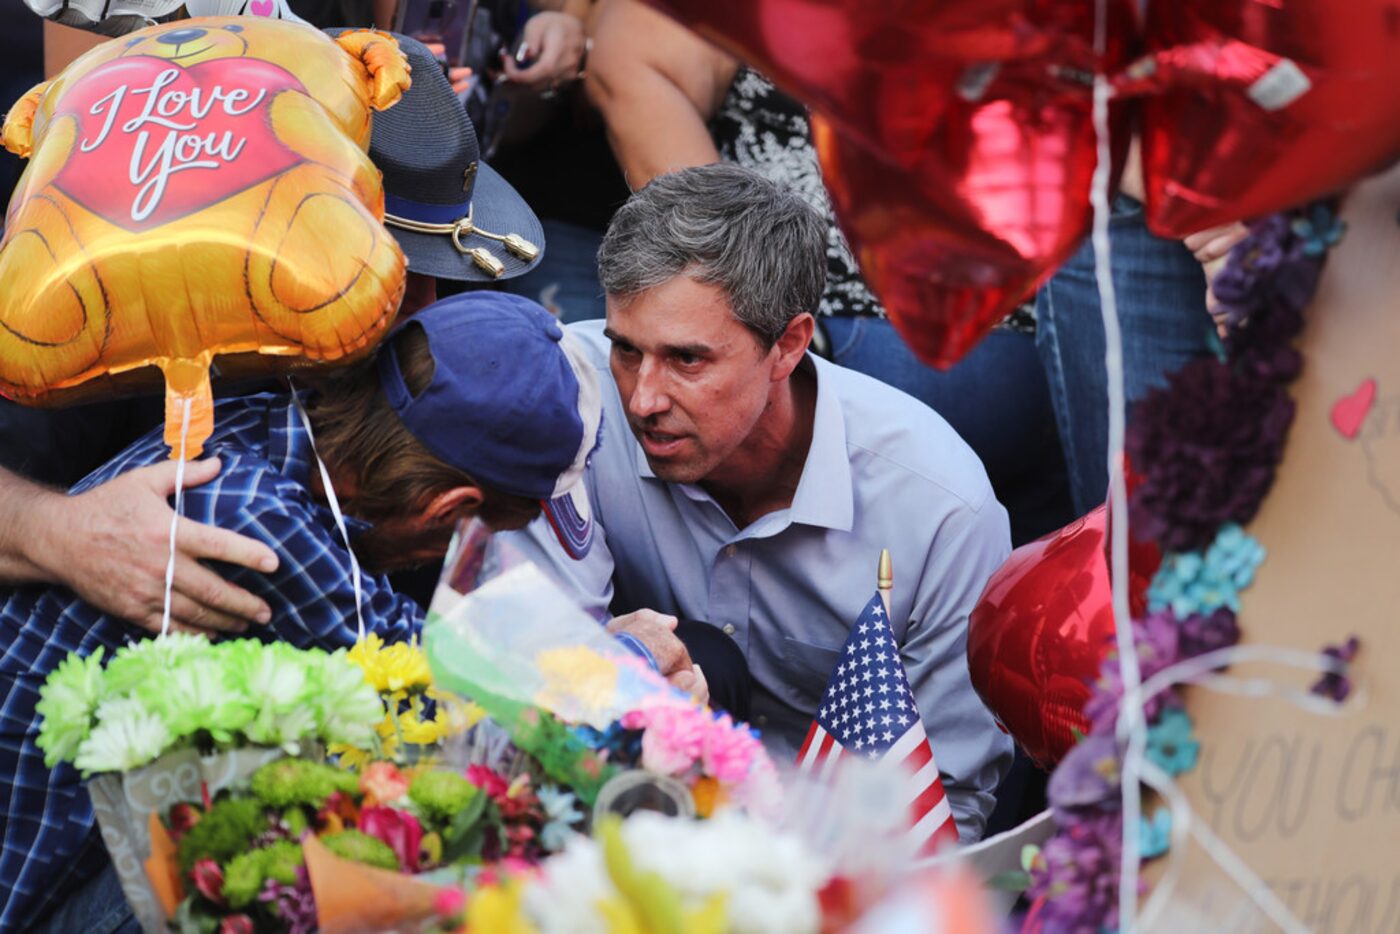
298 781
66 705
152 660
361 848
196 696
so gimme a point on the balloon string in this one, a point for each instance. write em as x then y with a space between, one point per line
1202 670
334 502
1117 487
179 508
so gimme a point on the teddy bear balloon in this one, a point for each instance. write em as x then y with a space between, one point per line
195 189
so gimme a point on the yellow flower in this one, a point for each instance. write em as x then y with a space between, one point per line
496 910
400 668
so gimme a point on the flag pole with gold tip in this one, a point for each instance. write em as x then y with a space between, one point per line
885 579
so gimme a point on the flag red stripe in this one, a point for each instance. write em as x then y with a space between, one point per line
811 731
825 750
927 800
947 833
920 757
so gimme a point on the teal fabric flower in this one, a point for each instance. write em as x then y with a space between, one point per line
1190 582
1155 835
561 814
1319 228
1169 743
66 705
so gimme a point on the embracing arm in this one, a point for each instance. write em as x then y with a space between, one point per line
656 84
110 545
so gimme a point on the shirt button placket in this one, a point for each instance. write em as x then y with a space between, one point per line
729 592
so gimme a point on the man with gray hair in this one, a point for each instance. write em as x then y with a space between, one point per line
759 483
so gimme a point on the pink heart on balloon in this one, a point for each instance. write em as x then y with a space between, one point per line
1350 411
157 141
262 7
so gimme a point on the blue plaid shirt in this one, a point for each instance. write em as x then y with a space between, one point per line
50 841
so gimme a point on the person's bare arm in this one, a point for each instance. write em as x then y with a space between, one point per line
110 545
656 84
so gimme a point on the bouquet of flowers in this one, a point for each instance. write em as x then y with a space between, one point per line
177 718
293 846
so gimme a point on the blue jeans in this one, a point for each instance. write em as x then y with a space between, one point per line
566 280
98 907
1162 313
995 398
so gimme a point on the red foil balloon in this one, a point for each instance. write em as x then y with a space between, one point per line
955 136
1262 104
1039 634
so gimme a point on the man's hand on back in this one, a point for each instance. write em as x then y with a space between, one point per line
111 544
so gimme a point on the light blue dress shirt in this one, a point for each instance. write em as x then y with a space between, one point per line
883 471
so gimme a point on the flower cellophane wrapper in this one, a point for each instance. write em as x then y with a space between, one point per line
352 897
503 634
124 802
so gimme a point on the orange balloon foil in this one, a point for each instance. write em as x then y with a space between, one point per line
197 189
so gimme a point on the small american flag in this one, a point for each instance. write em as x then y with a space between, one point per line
868 710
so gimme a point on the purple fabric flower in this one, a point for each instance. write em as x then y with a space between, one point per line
1202 633
1205 449
1075 876
1276 266
1156 637
1334 684
294 904
1086 780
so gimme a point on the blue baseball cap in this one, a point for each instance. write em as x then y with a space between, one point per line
513 402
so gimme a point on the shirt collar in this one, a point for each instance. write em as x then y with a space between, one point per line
824 497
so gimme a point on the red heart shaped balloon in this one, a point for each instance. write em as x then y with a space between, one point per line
955 137
953 243
1259 105
1039 634
884 71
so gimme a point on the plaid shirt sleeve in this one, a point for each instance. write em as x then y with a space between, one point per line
312 592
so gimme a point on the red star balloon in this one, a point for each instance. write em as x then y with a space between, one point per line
1258 105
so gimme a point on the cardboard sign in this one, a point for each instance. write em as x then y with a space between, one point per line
1312 803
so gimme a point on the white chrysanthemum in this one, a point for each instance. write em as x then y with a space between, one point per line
126 737
347 707
566 898
769 880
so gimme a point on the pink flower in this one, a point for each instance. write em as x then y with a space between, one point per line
209 880
236 924
183 817
384 781
449 902
728 751
399 829
673 739
487 780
